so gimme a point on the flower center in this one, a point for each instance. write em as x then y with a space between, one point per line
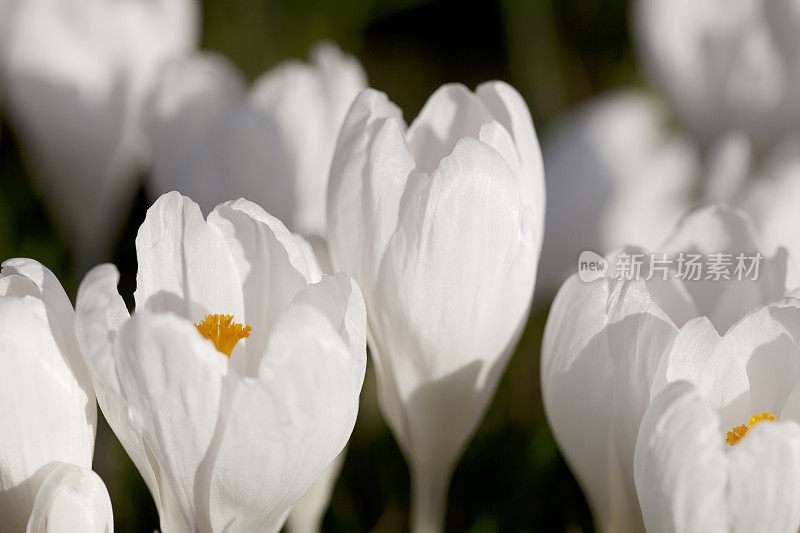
223 332
736 434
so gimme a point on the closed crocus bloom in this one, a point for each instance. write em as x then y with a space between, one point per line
214 140
47 406
441 225
235 382
603 354
724 64
76 74
71 499
615 175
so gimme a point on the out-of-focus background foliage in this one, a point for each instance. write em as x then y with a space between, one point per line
557 53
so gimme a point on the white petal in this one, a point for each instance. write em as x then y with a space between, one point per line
283 429
604 339
766 343
190 95
310 102
101 313
185 265
271 264
211 144
465 259
452 112
342 76
46 415
307 514
21 277
764 483
680 467
369 173
509 108
71 499
701 357
718 228
172 378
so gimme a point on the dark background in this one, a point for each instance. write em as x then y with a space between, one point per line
557 53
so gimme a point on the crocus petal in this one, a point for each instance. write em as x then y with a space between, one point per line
46 414
605 339
185 266
369 173
270 263
101 313
451 113
509 108
766 343
172 378
467 224
701 357
342 76
764 483
307 514
71 499
211 145
718 228
680 465
309 102
311 380
22 276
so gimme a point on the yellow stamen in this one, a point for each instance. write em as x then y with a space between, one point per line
736 434
223 332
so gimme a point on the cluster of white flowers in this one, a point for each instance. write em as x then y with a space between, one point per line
234 383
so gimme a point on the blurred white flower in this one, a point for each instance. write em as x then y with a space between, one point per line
611 345
229 419
75 75
47 405
273 146
615 175
690 476
725 64
771 194
71 499
441 225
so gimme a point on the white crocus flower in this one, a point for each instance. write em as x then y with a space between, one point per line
603 353
71 499
48 412
694 475
214 140
236 381
441 225
75 75
725 64
615 175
